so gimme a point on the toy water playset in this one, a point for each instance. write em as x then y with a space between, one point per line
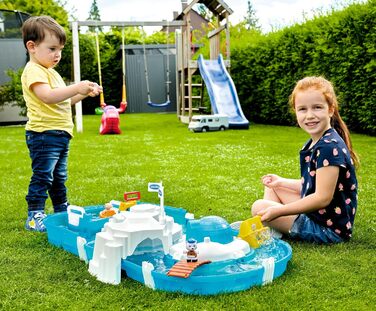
166 248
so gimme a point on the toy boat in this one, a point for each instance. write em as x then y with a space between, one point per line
148 240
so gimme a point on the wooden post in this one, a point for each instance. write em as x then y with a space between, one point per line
215 40
189 53
227 37
77 73
179 65
183 65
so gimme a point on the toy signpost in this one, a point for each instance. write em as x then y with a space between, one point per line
157 187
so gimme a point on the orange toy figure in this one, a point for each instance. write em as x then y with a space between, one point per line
108 211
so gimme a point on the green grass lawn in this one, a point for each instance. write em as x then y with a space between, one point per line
215 173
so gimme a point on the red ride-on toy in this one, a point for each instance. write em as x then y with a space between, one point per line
110 121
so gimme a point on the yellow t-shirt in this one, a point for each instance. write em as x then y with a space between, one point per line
44 117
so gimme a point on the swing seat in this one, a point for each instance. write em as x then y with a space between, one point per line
123 107
99 111
110 121
151 104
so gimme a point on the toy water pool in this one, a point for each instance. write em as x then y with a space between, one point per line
147 241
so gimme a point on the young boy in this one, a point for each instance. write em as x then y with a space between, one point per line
50 126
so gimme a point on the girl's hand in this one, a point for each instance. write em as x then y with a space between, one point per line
271 180
270 213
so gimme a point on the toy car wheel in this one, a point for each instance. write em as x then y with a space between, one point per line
222 128
205 129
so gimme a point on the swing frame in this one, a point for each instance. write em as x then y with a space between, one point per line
185 64
76 51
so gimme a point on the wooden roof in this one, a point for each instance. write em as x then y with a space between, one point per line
217 7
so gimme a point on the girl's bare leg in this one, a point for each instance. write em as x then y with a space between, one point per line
277 196
281 195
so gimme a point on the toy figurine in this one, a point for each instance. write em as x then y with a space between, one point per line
108 211
191 252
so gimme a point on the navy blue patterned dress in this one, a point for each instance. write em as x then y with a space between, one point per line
331 150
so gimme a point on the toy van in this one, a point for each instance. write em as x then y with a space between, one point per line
205 123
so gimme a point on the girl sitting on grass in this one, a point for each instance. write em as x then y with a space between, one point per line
320 207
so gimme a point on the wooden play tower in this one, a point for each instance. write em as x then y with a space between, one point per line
186 66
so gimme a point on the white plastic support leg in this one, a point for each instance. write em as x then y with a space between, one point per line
106 262
81 248
268 264
101 239
147 268
110 267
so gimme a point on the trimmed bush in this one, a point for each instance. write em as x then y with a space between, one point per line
340 46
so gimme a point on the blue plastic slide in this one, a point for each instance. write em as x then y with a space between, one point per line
222 92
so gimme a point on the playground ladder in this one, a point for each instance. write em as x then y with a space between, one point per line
200 96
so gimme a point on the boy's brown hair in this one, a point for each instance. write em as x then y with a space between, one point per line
35 28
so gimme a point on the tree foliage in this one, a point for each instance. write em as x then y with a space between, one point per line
11 92
251 20
94 12
95 16
204 12
41 7
339 46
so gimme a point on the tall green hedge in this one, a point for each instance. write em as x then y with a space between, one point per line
340 46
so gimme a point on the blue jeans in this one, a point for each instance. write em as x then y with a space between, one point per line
49 159
307 230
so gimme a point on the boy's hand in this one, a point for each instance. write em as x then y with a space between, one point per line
85 87
89 88
96 91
